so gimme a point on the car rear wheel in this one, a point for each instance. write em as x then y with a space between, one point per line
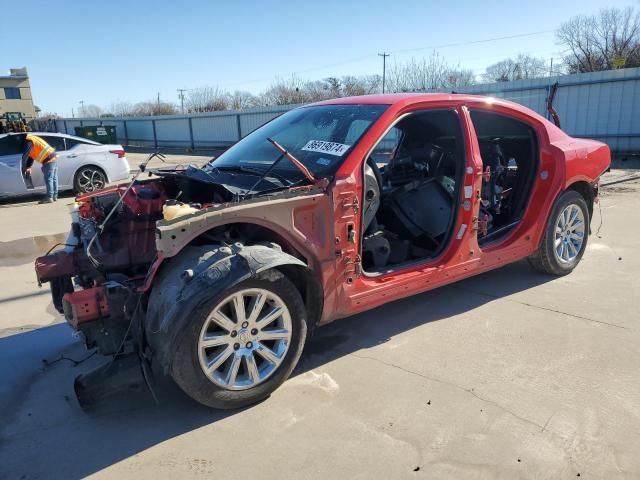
89 179
242 344
566 235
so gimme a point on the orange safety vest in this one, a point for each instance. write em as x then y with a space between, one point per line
41 150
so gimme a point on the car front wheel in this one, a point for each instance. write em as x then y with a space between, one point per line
242 344
565 237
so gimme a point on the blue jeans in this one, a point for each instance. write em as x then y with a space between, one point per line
50 173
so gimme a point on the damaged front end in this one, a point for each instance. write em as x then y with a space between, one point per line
101 278
97 280
98 290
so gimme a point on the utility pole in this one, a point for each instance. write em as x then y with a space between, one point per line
73 115
181 97
384 56
158 98
551 68
81 112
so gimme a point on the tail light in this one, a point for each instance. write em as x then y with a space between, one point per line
120 153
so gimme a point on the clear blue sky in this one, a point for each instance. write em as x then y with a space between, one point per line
101 52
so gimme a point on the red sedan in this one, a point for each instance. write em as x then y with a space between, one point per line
220 274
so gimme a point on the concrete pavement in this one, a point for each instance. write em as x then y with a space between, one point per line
510 374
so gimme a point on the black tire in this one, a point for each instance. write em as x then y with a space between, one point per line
185 364
546 260
78 180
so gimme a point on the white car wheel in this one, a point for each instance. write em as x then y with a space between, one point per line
89 179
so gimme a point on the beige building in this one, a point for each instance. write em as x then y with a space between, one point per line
15 96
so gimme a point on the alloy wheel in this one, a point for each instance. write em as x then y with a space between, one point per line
569 233
90 180
244 339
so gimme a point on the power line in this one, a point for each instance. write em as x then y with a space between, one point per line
474 42
395 52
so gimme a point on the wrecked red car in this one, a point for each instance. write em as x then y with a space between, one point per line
218 275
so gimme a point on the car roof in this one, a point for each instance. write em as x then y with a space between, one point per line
408 98
52 134
401 100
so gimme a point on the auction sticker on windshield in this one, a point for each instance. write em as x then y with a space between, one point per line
332 148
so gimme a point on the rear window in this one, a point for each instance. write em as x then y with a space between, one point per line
72 142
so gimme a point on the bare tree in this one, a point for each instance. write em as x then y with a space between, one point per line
331 86
285 92
48 115
458 78
206 99
239 100
432 73
317 90
521 67
148 108
294 90
121 108
90 110
373 83
365 85
607 40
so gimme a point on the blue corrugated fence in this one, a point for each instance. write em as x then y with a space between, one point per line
600 105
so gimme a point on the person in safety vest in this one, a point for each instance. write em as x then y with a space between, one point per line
37 150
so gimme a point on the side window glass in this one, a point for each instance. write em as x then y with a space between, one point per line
11 145
55 142
72 143
386 147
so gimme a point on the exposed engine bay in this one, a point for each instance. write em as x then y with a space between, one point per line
96 279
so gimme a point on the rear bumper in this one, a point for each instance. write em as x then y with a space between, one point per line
120 170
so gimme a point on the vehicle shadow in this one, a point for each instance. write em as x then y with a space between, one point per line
30 199
43 429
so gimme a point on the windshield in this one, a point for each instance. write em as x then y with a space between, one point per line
320 137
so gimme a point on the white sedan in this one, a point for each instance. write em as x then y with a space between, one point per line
83 165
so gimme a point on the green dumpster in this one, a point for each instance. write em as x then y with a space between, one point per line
105 134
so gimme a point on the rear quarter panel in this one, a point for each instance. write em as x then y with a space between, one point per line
585 160
115 168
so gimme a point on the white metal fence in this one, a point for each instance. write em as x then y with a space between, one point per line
600 105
